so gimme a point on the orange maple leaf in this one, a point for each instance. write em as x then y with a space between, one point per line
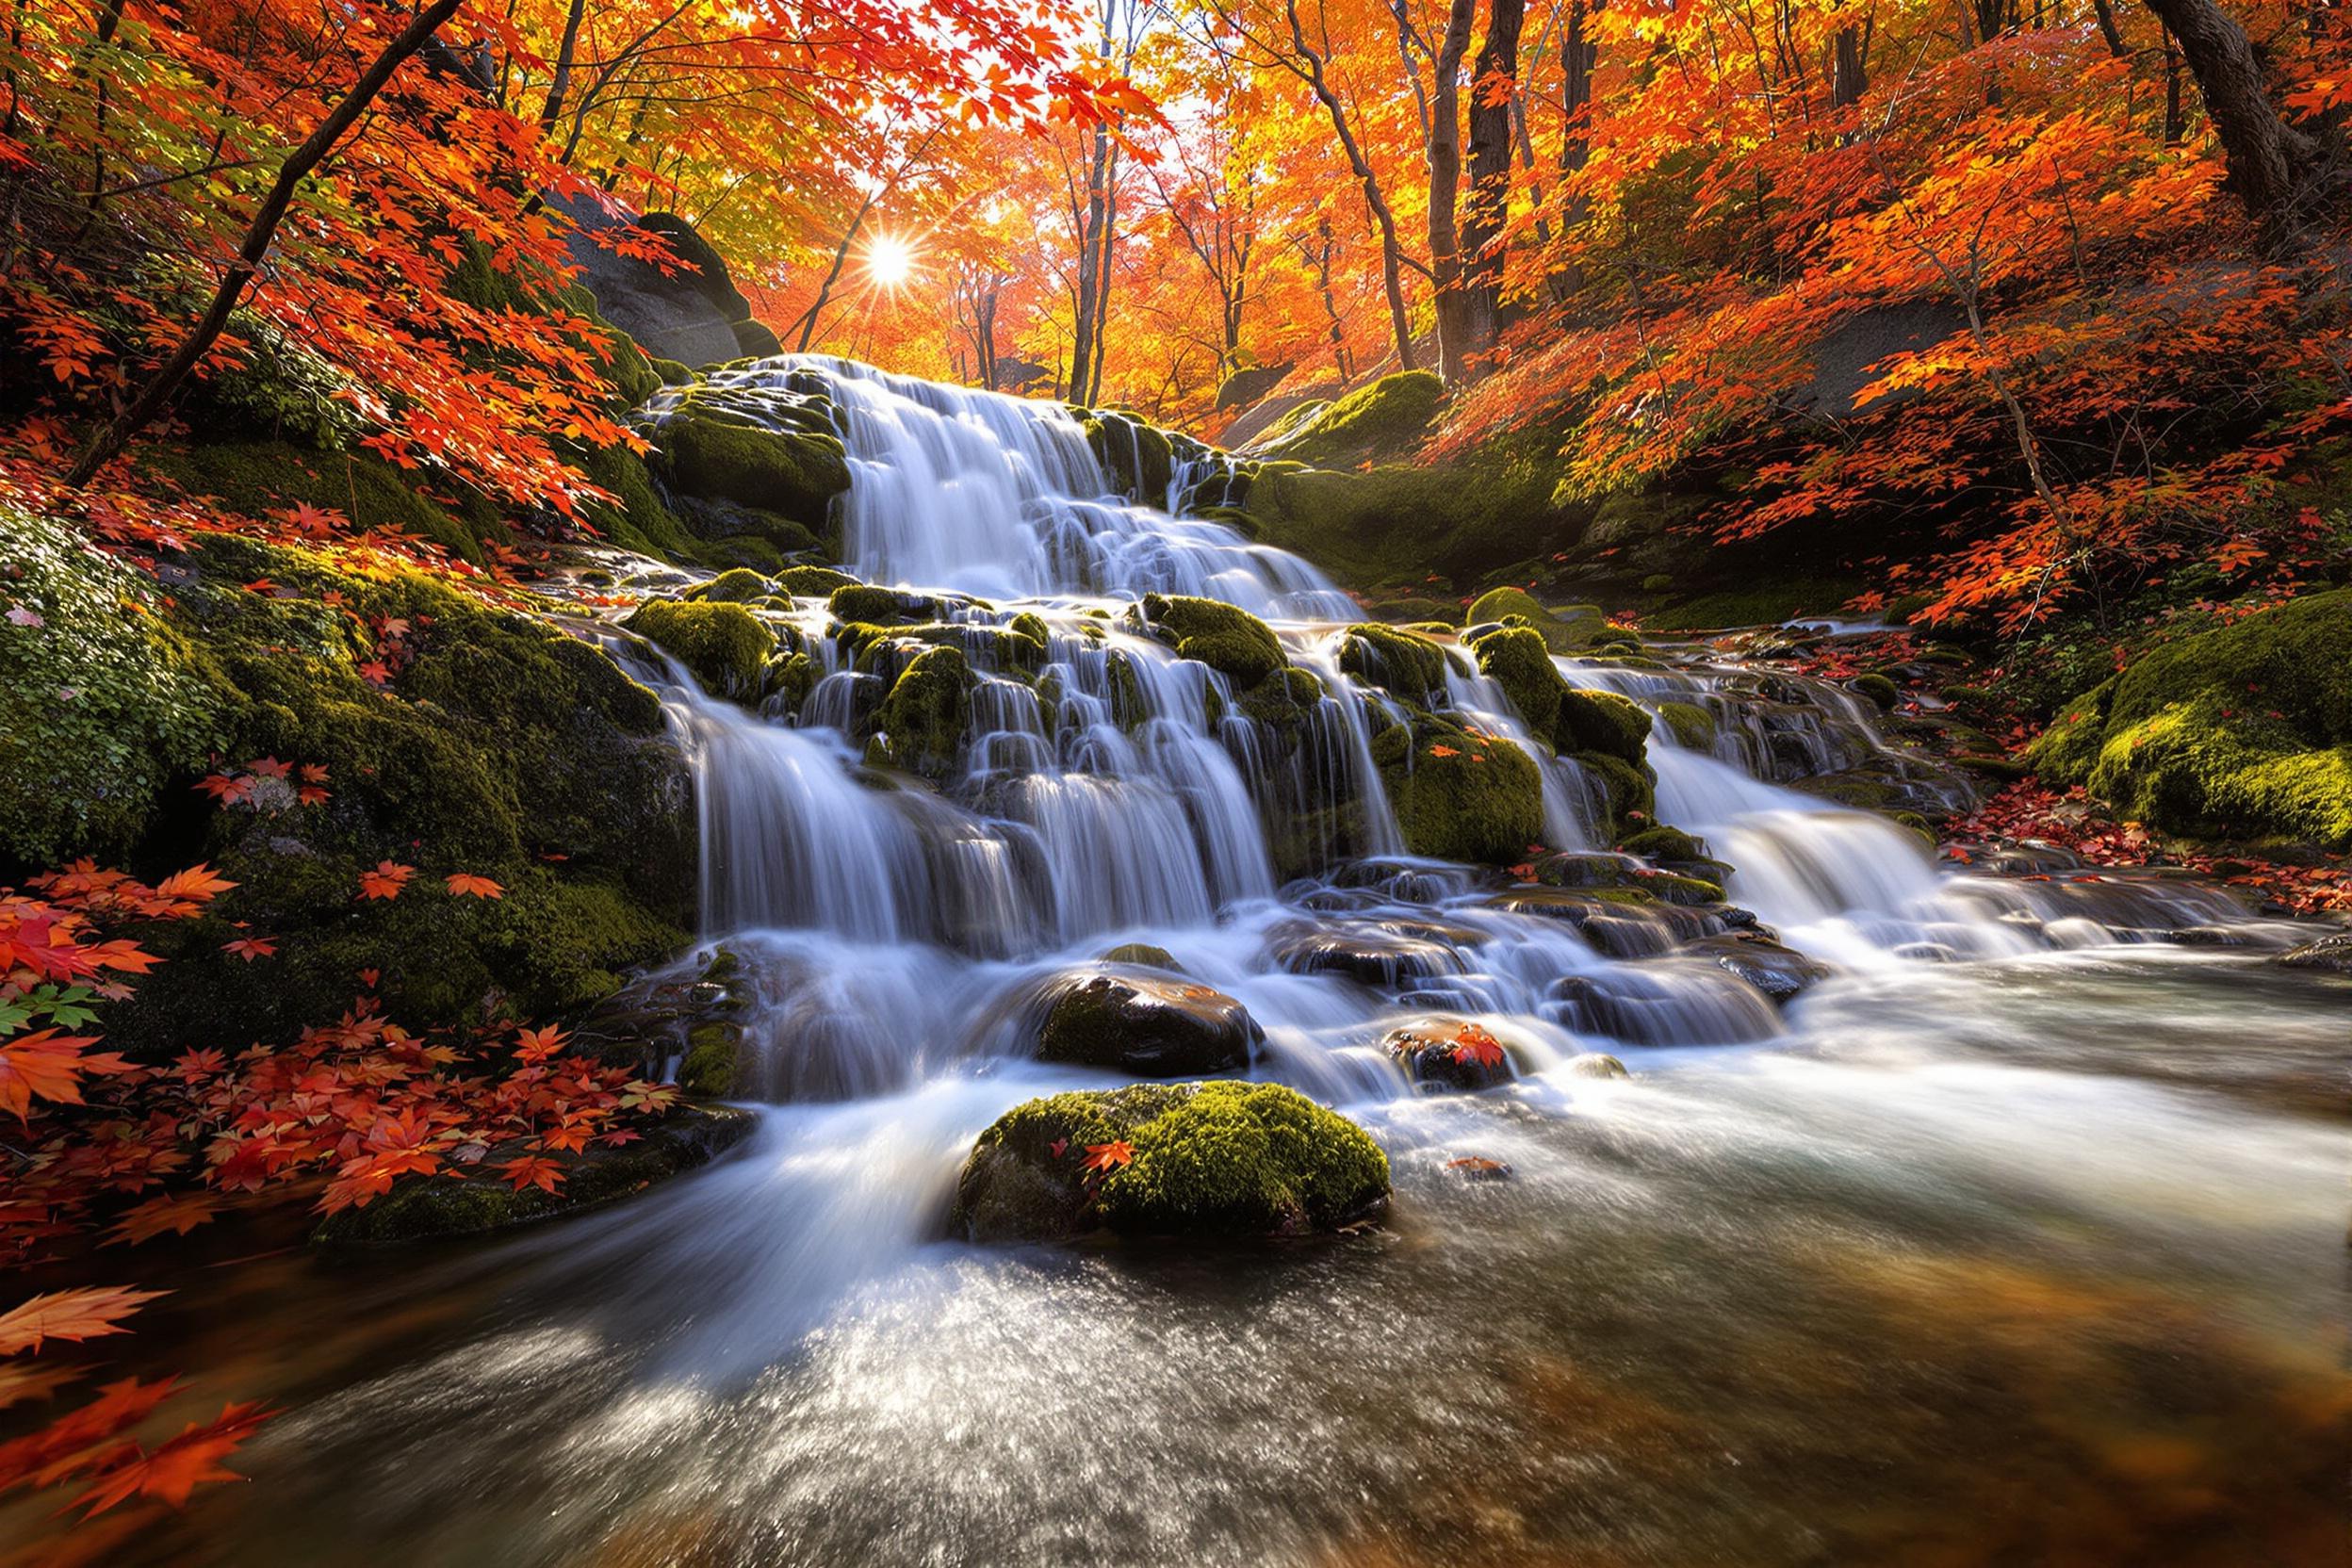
45 1065
1444 751
534 1170
1108 1156
250 948
1474 1044
385 881
74 1315
198 882
178 1466
178 1213
480 887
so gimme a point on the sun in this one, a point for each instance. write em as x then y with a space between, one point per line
890 260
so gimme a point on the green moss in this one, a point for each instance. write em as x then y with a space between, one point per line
1283 702
260 476
813 582
739 586
1628 796
103 704
880 606
725 646
923 717
794 474
1604 721
1139 456
713 1067
1567 632
1217 1159
1409 665
1877 688
2244 731
500 748
1226 639
1515 659
1457 797
1386 419
1664 845
638 520
1693 726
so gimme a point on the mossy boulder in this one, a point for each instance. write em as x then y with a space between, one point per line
2241 732
857 603
1516 659
1879 692
1218 1160
1409 665
1137 456
1228 639
813 582
256 477
740 586
723 646
922 720
1603 722
1693 728
1570 630
1459 796
712 453
1628 793
1146 1024
485 742
1383 420
102 703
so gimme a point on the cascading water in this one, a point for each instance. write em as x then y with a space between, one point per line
1713 1317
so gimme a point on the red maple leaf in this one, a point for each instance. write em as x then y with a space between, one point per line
1108 1156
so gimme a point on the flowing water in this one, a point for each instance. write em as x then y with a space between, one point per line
2016 1240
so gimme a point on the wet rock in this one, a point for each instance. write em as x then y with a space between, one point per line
1478 1167
1623 923
1780 972
1451 1056
1219 1159
1146 1024
1143 956
1386 955
2330 955
1594 1064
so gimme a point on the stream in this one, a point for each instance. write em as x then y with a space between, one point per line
2017 1239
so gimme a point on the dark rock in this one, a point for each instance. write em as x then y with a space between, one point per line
1375 953
2330 955
1451 1056
1149 1025
1780 972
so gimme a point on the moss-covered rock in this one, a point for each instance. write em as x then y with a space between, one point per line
725 646
813 582
1570 630
1881 692
794 474
1139 456
1515 659
1382 419
1409 665
740 586
2241 732
1217 1159
434 1208
102 703
487 742
857 603
1226 639
1459 796
922 720
1603 722
1629 795
1693 727
1147 1025
256 477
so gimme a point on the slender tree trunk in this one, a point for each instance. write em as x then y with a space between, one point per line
552 111
2269 160
1392 265
110 441
2108 29
1442 151
1579 58
1850 66
1489 204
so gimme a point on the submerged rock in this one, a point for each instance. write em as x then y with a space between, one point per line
2330 955
1780 972
1384 953
1149 1025
1212 1159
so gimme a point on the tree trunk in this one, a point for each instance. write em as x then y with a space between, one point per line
264 228
1442 154
1392 265
1091 254
2108 29
1850 67
2269 160
1489 205
1579 58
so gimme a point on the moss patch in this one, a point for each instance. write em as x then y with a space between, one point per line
1459 796
1226 639
1406 663
1386 419
922 718
719 455
725 646
2242 732
102 703
1213 1159
1571 631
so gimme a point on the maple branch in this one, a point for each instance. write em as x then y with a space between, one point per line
110 441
